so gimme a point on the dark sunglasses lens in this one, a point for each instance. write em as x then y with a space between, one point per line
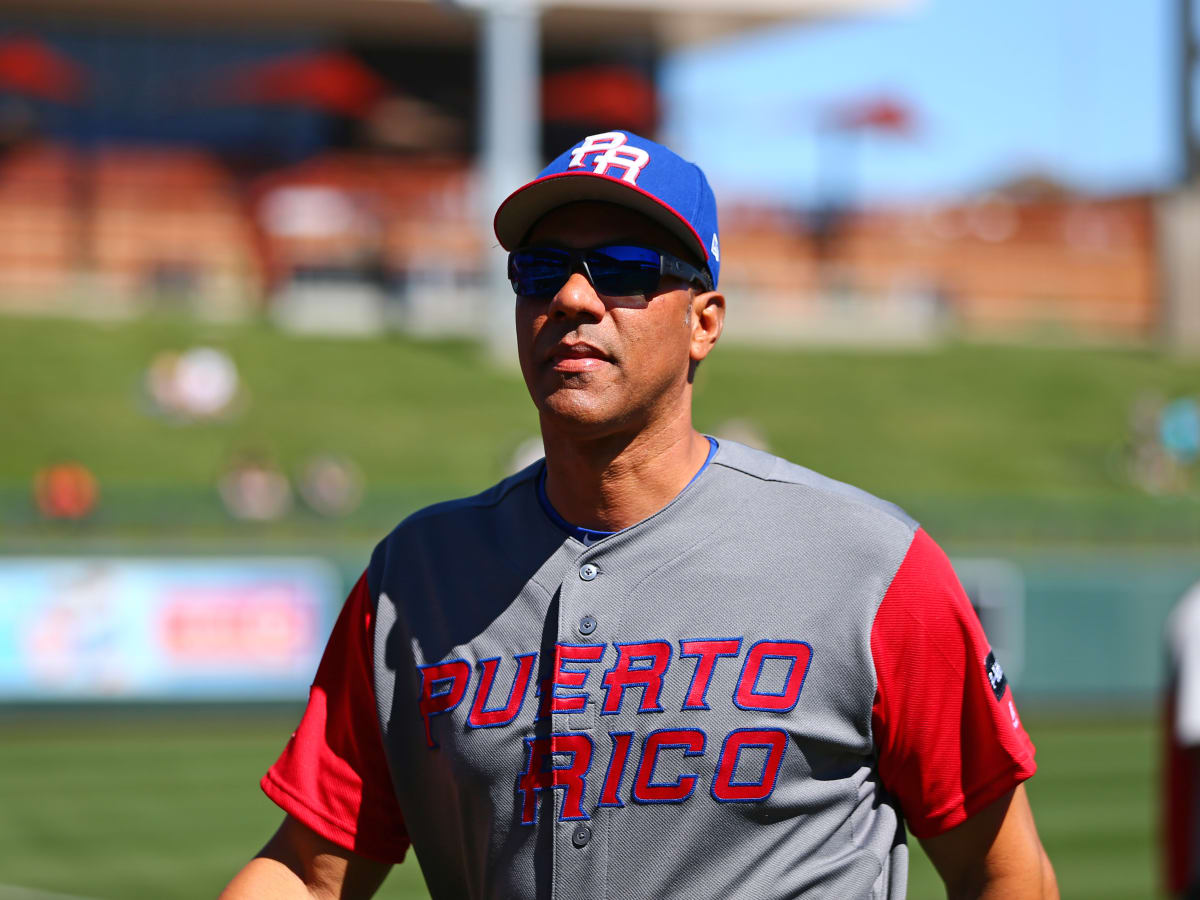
538 273
624 271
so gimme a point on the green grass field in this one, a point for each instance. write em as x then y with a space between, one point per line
154 806
987 442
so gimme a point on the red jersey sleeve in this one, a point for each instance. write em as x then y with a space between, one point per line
945 725
333 774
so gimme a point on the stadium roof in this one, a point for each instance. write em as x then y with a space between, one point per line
671 22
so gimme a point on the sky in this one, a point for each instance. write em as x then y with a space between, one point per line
1080 90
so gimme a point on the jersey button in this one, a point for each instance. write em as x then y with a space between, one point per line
581 835
588 571
587 625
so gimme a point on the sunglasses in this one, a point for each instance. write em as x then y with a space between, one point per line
616 270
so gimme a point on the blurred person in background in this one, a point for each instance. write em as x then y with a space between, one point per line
1181 785
65 490
331 485
253 488
199 384
833 689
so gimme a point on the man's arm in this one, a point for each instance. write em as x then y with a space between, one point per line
995 855
299 864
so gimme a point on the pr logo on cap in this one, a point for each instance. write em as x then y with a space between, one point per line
624 169
614 151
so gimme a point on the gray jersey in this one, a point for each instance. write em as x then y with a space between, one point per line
689 707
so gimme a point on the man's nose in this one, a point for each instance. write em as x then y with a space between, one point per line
577 299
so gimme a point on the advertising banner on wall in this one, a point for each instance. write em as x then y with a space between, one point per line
156 629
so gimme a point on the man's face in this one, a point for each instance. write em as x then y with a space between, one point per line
595 365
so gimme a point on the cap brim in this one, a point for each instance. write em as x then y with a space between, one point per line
524 206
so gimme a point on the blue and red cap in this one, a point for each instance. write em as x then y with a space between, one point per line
622 168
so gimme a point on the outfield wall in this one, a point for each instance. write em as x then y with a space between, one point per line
1079 626
1093 621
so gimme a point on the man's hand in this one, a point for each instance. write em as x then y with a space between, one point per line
995 855
299 864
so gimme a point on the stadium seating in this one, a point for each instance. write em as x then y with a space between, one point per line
40 233
120 227
398 214
169 222
995 265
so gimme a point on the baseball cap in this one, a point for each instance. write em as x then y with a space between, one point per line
622 168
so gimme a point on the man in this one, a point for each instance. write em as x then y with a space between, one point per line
652 665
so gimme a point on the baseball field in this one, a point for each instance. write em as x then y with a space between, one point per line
1025 446
165 805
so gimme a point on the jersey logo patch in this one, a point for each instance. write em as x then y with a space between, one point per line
995 674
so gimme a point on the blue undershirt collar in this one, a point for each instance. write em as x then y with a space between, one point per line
589 536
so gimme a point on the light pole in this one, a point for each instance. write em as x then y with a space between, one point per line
1188 54
1178 212
511 79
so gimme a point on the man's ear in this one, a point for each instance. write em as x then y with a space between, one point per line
708 320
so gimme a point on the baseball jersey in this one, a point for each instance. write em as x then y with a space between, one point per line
748 694
1181 807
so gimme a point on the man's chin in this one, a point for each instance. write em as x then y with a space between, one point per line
572 413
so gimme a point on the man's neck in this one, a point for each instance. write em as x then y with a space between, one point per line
613 482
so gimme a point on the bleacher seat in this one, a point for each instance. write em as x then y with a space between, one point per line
40 229
167 220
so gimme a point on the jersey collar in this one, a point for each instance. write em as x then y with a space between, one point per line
589 536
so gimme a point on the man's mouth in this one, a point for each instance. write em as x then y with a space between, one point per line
578 357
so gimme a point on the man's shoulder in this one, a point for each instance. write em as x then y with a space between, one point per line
500 518
475 505
793 483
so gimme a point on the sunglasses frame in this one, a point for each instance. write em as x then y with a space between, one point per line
668 265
